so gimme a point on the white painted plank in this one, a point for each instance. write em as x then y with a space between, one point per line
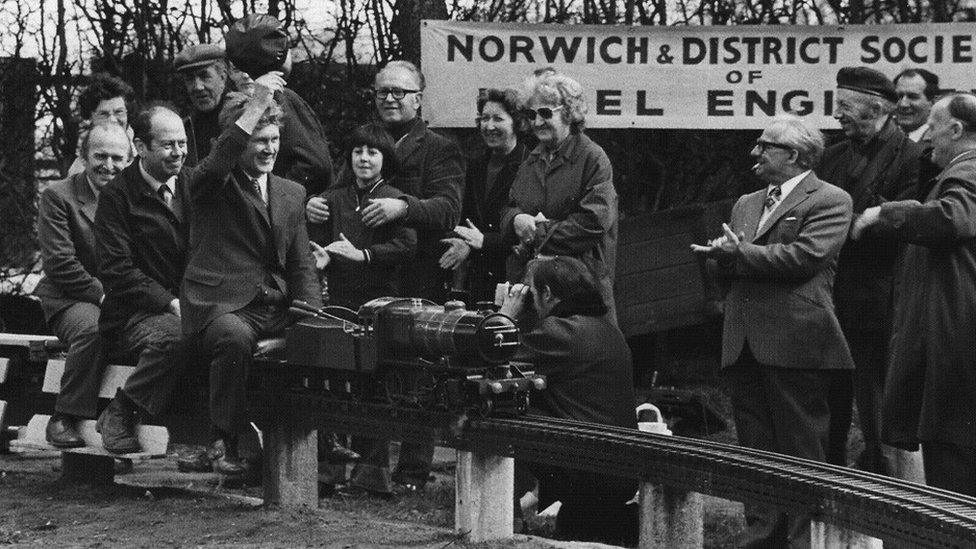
152 438
4 368
113 378
829 536
24 340
484 496
3 414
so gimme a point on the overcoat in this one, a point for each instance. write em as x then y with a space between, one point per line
932 358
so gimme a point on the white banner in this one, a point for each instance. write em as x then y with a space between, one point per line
682 77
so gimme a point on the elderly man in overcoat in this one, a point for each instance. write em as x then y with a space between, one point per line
932 372
781 343
876 162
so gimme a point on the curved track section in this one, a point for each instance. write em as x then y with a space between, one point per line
872 504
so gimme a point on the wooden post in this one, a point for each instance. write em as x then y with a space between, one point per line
670 518
291 464
484 496
829 536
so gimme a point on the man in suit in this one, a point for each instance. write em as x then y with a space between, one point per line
249 258
917 90
140 236
430 176
876 162
932 374
781 341
71 294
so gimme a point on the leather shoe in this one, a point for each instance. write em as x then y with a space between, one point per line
62 432
225 460
194 462
117 424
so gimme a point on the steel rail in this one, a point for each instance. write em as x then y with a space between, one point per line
871 504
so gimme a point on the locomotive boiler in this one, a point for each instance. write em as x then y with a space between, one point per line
414 353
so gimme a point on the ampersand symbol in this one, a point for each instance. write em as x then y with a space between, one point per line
664 58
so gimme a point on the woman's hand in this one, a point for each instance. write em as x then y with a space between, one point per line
346 250
457 251
471 235
514 302
321 256
317 210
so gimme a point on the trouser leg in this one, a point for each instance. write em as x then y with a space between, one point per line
372 471
158 340
77 326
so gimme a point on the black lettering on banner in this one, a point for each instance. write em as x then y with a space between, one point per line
499 48
791 50
733 52
687 57
754 101
559 48
454 45
591 49
733 77
754 75
938 48
829 103
870 49
805 105
643 109
751 42
608 102
520 44
894 50
771 47
720 103
912 54
605 50
961 48
833 44
804 55
637 48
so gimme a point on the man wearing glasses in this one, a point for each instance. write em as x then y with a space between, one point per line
781 342
876 163
430 176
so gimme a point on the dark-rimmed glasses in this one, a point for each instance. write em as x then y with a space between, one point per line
763 145
397 93
544 113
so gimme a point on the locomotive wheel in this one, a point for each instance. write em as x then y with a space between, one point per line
522 403
485 405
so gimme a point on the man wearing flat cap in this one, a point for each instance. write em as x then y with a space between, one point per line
258 44
204 74
876 163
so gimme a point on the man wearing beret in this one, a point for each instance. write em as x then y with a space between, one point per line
258 44
204 73
876 163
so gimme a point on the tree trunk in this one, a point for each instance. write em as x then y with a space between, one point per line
405 24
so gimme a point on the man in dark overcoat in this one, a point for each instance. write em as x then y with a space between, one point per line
932 372
876 162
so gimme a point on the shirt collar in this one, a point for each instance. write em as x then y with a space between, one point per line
788 185
155 183
918 133
95 189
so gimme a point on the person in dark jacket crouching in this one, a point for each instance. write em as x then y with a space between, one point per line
588 369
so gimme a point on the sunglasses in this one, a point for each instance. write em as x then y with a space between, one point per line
764 145
544 113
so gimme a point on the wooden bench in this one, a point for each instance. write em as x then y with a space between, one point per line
17 350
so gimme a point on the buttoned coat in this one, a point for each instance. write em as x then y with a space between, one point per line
885 168
66 215
237 242
576 195
932 359
430 174
779 296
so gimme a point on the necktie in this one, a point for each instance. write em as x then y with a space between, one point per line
772 197
166 195
256 189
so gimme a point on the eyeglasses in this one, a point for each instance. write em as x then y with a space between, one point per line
764 145
544 113
397 93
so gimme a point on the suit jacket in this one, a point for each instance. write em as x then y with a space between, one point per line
932 370
64 231
430 173
779 284
885 168
240 247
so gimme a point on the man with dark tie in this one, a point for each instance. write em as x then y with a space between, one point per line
875 163
140 235
71 294
781 342
249 258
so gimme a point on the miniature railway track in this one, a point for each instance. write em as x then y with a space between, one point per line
872 504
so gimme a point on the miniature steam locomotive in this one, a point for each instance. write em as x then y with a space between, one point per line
414 353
